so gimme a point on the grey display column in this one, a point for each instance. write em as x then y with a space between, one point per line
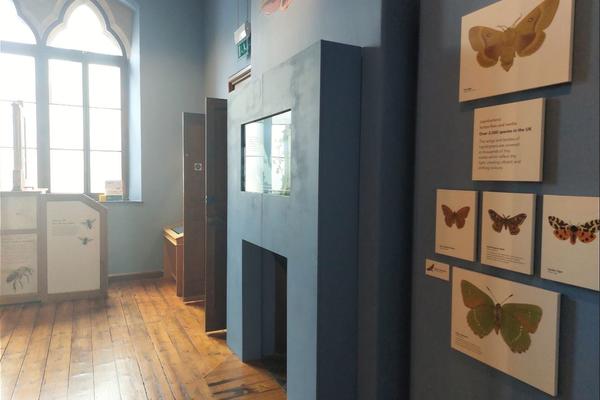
315 228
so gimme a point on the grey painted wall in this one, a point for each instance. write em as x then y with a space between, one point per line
443 159
170 82
315 227
220 20
277 37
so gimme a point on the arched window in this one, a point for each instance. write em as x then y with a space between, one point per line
80 70
84 30
85 95
17 84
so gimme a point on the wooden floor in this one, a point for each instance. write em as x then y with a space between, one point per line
139 343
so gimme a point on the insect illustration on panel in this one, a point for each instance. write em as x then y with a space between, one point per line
515 322
523 38
431 267
586 233
455 217
505 222
16 276
85 240
89 223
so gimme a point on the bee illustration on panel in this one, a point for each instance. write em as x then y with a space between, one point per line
89 223
85 240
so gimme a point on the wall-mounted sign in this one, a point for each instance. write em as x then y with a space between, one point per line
243 48
508 142
437 269
241 38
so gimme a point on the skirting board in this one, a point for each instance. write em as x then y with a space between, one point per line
87 294
134 276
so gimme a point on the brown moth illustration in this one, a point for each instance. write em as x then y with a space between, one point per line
506 222
455 217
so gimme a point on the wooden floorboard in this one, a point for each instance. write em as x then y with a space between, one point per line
140 342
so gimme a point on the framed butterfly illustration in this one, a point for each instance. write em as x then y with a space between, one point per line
570 247
515 322
586 232
455 223
523 38
500 222
455 217
507 325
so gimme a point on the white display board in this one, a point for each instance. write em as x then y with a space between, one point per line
18 212
456 223
74 248
514 45
507 231
508 142
570 246
509 326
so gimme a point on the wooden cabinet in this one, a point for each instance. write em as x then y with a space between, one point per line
173 255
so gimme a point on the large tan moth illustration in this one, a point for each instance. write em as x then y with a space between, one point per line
522 38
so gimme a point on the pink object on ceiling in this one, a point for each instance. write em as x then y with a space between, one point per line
271 6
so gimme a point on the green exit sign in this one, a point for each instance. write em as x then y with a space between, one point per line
243 48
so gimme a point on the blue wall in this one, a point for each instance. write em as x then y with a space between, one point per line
220 20
443 160
170 82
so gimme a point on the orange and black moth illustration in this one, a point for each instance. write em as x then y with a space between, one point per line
586 233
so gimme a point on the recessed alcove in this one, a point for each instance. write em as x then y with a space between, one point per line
265 298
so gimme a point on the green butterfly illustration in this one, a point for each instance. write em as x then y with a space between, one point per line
514 321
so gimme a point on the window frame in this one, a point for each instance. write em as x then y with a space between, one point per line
42 54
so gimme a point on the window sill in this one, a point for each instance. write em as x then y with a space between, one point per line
121 202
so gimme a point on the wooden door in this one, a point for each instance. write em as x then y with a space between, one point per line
216 214
194 219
